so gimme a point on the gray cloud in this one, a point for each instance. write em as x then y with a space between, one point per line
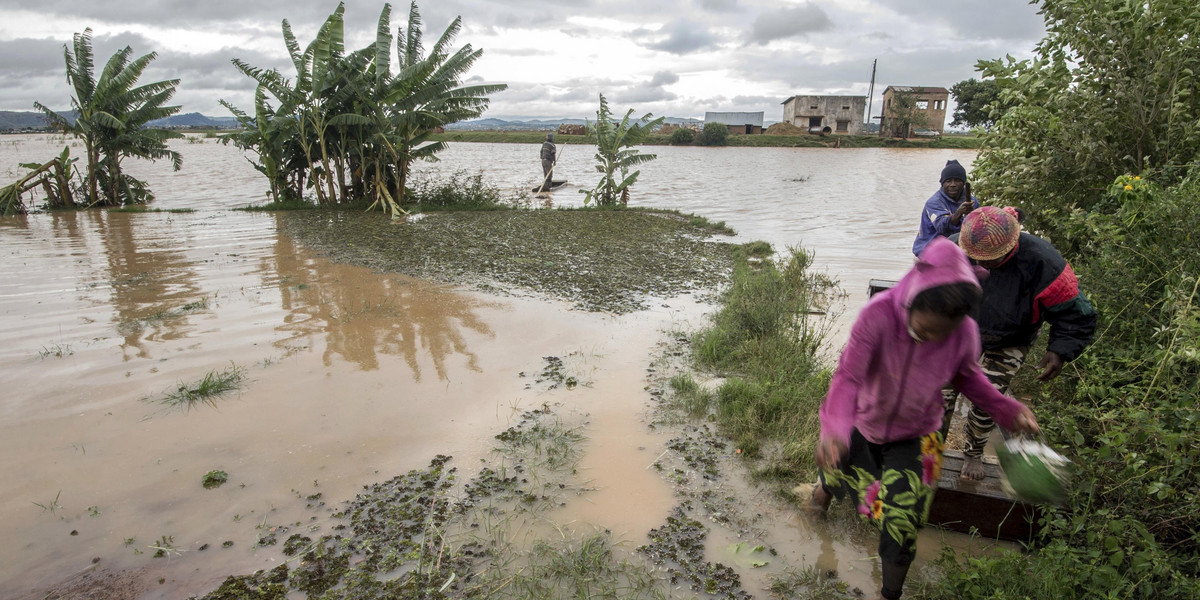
1004 20
682 36
789 22
662 78
718 5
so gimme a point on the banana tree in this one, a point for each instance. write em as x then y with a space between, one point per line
615 153
111 116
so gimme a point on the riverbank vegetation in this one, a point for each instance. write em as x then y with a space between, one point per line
768 343
1106 161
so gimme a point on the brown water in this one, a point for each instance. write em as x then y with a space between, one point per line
351 376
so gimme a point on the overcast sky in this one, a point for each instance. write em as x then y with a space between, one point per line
675 58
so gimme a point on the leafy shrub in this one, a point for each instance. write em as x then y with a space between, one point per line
682 136
459 192
714 134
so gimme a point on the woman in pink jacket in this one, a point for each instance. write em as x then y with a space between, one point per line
880 445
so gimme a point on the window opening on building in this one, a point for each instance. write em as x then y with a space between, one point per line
923 104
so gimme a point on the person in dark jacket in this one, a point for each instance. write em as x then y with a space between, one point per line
1028 283
944 211
548 154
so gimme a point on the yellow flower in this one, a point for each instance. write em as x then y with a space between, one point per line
1128 187
931 445
1136 178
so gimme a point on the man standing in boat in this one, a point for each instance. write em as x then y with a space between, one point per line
548 157
944 211
1028 283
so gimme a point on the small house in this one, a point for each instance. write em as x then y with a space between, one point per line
908 108
737 122
825 115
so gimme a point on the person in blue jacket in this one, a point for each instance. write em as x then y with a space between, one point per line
944 211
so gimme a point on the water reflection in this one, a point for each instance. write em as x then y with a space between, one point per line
361 316
150 277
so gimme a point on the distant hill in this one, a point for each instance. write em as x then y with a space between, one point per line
18 121
25 121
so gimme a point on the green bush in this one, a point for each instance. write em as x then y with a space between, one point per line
682 136
714 134
459 192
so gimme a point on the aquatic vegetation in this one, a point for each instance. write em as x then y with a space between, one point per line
132 326
609 260
678 546
207 389
52 505
214 479
56 351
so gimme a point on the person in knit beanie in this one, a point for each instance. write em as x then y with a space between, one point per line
944 210
1028 283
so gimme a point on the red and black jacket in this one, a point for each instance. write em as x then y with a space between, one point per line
1035 284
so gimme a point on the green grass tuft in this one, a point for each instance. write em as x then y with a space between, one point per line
212 385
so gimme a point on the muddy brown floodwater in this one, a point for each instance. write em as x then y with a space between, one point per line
350 377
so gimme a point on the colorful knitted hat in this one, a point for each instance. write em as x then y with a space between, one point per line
988 233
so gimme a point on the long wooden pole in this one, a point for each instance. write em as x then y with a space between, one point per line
871 92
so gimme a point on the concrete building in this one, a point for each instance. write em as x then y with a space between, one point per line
928 111
737 122
826 114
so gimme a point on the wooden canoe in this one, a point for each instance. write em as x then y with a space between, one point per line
961 505
553 185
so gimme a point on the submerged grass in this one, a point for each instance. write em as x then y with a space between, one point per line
207 389
609 260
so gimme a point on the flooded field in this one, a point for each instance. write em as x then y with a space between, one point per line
348 377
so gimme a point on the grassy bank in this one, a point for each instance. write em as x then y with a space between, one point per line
784 141
767 341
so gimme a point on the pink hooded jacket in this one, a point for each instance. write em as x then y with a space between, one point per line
887 384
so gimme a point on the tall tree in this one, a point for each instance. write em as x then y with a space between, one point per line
1112 89
111 116
977 103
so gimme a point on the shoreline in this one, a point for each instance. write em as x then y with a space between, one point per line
969 142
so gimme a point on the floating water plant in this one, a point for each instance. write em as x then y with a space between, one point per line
214 479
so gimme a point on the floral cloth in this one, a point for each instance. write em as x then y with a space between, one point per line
892 486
